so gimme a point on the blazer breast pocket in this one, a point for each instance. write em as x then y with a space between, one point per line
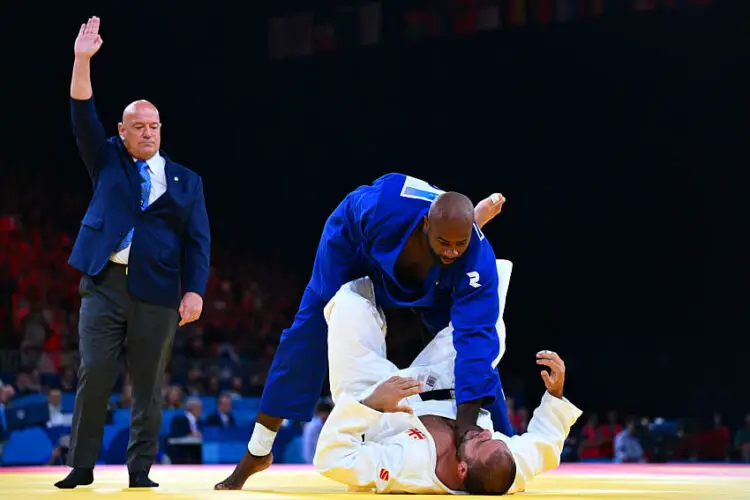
93 221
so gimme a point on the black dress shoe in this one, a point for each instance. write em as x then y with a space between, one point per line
79 476
141 480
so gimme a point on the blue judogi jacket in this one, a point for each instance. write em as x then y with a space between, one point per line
365 235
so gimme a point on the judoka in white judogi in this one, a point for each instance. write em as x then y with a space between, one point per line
394 452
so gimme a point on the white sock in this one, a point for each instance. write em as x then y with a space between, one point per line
261 441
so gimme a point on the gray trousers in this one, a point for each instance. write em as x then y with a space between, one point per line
111 323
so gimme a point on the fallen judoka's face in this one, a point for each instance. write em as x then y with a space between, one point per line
480 465
449 469
490 465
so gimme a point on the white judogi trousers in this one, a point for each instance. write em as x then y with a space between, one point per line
394 452
357 363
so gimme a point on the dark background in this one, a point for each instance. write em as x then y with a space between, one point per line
619 144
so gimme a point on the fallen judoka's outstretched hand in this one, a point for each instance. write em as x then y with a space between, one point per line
555 380
387 397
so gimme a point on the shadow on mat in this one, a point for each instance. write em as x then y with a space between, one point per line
311 491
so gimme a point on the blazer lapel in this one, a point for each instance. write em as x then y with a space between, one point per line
168 177
131 172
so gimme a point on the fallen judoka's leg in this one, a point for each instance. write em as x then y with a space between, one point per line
350 451
382 436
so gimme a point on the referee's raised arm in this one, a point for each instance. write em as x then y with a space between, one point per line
87 128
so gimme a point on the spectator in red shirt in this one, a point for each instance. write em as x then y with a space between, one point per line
609 431
591 439
713 443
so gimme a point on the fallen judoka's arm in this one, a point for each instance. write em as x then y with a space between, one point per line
539 448
343 456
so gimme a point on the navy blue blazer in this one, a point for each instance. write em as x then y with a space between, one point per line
169 254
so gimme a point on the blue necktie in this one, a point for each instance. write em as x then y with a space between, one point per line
145 192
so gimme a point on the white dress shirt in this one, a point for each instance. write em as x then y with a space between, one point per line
156 170
57 417
310 434
224 419
192 421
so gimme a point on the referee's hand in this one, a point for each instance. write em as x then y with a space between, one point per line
190 308
89 41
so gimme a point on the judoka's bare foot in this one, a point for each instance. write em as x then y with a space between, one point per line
248 466
488 208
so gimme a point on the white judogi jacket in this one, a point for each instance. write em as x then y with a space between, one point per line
394 452
404 458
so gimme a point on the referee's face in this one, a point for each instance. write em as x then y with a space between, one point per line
140 130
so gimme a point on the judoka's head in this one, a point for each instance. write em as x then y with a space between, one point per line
448 226
490 466
140 129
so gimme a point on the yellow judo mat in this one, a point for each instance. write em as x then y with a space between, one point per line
282 482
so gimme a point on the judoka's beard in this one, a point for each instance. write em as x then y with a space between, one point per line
437 260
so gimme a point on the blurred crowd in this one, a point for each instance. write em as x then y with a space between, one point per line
642 440
249 301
